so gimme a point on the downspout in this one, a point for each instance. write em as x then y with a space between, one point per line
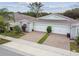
70 30
77 31
34 23
33 26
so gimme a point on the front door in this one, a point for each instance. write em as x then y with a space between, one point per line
24 26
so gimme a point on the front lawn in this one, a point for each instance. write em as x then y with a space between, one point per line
73 46
2 41
13 34
43 38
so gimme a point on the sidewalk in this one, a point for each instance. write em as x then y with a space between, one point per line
35 49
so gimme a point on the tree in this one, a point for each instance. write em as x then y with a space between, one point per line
6 14
35 8
34 15
2 25
17 29
74 13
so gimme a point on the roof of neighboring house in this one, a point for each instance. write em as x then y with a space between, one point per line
19 16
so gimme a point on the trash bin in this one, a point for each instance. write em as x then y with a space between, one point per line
68 35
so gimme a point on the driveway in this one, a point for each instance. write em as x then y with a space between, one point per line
23 47
33 36
57 40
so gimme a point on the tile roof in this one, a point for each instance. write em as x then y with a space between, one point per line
19 16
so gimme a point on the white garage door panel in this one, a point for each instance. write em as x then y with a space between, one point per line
60 29
40 28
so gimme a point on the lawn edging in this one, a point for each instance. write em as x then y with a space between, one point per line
43 38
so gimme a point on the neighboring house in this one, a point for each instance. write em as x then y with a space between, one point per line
20 19
75 29
60 24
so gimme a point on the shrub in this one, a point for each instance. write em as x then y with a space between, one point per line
49 29
77 40
1 30
17 29
2 25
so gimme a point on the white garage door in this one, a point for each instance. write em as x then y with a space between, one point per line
60 29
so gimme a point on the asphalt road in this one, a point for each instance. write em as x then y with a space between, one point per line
6 52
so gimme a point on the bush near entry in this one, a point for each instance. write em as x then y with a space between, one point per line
17 29
49 29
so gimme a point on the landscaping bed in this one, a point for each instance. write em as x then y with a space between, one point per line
2 41
15 31
43 38
12 34
74 47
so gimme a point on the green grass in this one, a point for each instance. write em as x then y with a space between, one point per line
12 34
43 38
73 46
2 41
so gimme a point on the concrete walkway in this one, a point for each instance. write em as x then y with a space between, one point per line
35 49
33 36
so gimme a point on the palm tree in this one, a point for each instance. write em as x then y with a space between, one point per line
35 8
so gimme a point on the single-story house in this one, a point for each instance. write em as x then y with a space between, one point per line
20 19
60 24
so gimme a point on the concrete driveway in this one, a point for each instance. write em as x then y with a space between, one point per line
54 40
59 41
33 36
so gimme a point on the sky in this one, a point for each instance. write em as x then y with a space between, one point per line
53 7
